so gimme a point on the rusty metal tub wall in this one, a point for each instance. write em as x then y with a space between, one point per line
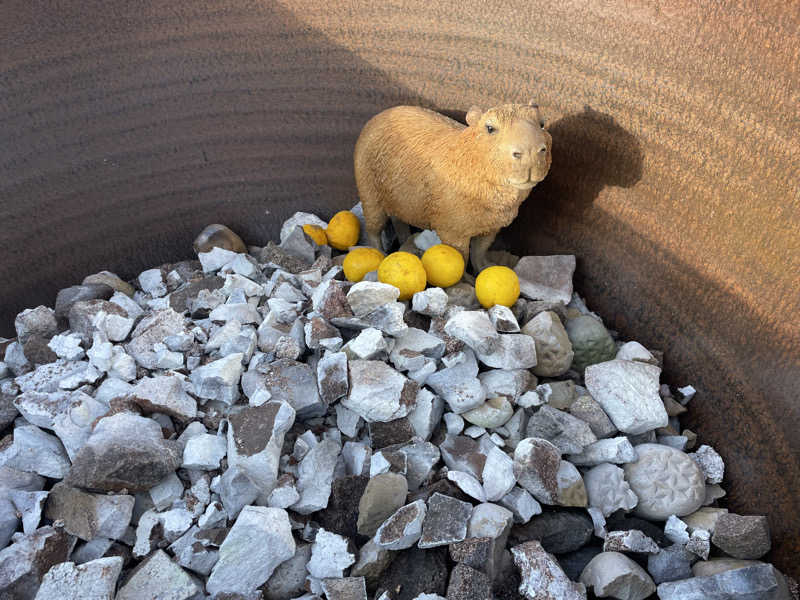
126 127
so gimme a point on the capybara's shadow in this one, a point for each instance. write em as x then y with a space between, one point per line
590 151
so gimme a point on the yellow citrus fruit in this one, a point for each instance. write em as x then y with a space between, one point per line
404 271
360 261
316 233
443 264
497 285
343 230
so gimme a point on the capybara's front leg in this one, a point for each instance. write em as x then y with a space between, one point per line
479 246
401 230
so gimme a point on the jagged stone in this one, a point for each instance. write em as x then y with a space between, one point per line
542 576
259 541
109 462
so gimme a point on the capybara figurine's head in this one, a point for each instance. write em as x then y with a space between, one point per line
515 142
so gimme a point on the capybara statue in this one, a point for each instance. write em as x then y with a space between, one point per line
465 182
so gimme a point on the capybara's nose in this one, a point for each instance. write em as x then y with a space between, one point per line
542 148
516 154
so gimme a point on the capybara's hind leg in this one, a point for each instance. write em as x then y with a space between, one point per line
401 230
375 218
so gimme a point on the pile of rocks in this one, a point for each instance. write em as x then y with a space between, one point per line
253 426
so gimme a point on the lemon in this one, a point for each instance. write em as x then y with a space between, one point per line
316 233
343 230
404 271
497 285
360 261
443 264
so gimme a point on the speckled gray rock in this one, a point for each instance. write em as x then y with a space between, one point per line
542 576
710 463
553 349
536 464
467 583
109 462
512 351
384 494
378 392
260 540
403 528
345 588
666 481
445 522
761 581
614 574
608 490
158 577
742 536
631 540
546 278
567 433
628 393
89 515
591 342
93 580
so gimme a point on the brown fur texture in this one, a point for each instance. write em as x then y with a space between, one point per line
464 182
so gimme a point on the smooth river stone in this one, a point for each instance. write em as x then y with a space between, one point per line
666 481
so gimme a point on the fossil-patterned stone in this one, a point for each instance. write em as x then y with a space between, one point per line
666 481
591 342
608 490
553 349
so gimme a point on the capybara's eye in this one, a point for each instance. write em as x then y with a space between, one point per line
490 128
542 124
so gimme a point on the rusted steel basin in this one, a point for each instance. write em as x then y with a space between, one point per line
127 127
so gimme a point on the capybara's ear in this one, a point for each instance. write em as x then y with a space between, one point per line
535 113
473 116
